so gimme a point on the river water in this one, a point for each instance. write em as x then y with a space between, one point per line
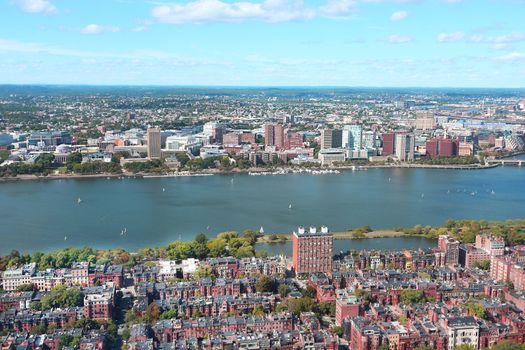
45 215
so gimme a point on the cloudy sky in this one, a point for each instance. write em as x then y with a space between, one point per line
456 43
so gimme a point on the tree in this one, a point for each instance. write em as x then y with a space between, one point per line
131 317
265 284
72 159
203 271
310 292
325 309
476 309
304 304
411 296
216 247
337 330
67 340
200 247
508 345
283 290
465 347
483 265
126 334
258 310
169 314
152 314
28 287
62 296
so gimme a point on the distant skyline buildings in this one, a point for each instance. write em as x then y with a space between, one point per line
278 43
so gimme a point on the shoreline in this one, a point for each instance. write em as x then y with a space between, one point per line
209 172
340 235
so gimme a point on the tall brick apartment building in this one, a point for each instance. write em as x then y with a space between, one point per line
312 250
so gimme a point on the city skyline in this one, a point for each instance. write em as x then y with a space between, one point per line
398 43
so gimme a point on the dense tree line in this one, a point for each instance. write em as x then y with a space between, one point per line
513 231
460 160
150 166
42 166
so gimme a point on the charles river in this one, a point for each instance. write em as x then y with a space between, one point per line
46 215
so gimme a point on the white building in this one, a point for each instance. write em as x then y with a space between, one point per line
462 330
353 137
212 151
405 147
182 143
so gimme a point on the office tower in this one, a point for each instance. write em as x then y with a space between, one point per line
214 130
352 137
331 138
153 137
425 120
404 147
389 139
274 135
369 139
312 250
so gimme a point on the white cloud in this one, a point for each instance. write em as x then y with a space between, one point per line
338 8
499 39
36 6
450 37
142 56
200 11
399 15
512 57
98 29
398 39
139 29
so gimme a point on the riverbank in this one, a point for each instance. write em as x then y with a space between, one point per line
276 171
343 235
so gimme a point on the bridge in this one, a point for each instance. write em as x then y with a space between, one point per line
511 162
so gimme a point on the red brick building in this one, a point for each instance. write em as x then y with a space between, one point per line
312 250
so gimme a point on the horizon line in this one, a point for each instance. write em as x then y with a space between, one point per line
256 86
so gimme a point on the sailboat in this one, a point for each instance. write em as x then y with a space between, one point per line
261 230
79 200
163 189
65 238
492 192
290 206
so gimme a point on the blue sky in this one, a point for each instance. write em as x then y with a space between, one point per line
455 43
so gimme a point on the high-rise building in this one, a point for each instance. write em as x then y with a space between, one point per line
331 138
425 120
369 139
389 142
352 137
293 140
442 147
274 135
231 138
154 142
493 245
214 130
312 250
404 147
450 247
